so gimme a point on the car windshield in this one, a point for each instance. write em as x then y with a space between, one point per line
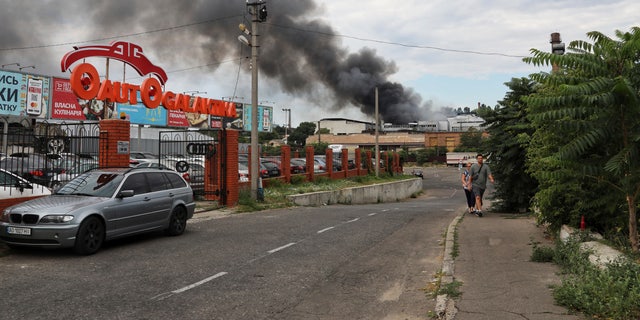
95 184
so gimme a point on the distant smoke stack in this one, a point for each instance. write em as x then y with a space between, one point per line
557 47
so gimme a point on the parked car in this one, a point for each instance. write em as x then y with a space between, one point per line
337 164
264 171
243 172
36 168
194 174
101 205
298 165
14 189
142 156
319 165
67 175
272 168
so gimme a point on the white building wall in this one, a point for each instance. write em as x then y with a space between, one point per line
342 126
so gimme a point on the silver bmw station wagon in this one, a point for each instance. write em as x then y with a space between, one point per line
101 205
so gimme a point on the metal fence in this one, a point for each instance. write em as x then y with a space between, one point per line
43 151
195 148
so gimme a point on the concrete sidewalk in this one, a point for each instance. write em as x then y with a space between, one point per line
499 281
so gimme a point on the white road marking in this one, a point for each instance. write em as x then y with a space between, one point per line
283 247
191 286
325 229
166 295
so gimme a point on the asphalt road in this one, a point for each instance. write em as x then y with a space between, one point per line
331 262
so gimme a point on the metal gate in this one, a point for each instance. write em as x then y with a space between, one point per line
202 150
41 151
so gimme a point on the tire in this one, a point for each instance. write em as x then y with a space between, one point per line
177 221
90 236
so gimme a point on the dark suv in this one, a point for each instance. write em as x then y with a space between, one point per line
101 205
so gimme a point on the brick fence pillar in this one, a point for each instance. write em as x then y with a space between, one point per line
231 167
112 132
310 163
358 160
285 161
328 156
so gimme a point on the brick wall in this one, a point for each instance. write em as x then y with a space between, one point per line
113 131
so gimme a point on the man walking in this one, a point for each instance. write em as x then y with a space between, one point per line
480 172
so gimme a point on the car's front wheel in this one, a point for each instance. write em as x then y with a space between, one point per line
177 221
90 236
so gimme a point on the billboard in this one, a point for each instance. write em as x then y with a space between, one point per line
265 118
24 94
140 114
65 105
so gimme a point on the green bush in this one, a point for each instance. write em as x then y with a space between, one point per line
298 179
608 293
542 254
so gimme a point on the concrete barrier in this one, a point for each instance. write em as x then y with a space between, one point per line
599 254
375 193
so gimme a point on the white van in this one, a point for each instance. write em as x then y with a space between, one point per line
336 148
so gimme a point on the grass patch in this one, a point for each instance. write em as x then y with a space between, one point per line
275 195
609 293
542 254
451 289
456 244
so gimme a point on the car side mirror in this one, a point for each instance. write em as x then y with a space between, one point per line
125 194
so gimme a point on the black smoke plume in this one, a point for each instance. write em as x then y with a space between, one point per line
297 49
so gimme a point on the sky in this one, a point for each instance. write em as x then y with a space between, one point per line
319 58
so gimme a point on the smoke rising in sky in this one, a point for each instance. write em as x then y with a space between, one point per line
297 50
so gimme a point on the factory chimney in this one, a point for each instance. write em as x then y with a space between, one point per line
557 47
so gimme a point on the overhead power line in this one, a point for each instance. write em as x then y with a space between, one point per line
122 36
329 34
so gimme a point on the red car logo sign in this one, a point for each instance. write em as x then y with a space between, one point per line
126 52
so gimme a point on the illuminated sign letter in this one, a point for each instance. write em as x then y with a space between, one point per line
92 80
149 89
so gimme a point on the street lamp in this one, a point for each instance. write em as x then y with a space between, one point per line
233 98
11 64
194 92
258 12
32 67
287 113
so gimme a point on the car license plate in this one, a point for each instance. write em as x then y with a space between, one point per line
18 230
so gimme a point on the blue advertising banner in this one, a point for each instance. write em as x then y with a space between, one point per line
265 118
140 114
24 94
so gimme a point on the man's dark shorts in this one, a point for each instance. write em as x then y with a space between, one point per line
479 192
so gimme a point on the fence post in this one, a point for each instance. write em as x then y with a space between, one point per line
116 131
285 160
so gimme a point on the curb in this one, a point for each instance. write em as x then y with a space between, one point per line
445 307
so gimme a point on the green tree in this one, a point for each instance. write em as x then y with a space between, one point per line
509 135
594 99
320 147
470 141
298 136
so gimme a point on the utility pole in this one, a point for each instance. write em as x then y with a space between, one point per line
377 164
258 12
